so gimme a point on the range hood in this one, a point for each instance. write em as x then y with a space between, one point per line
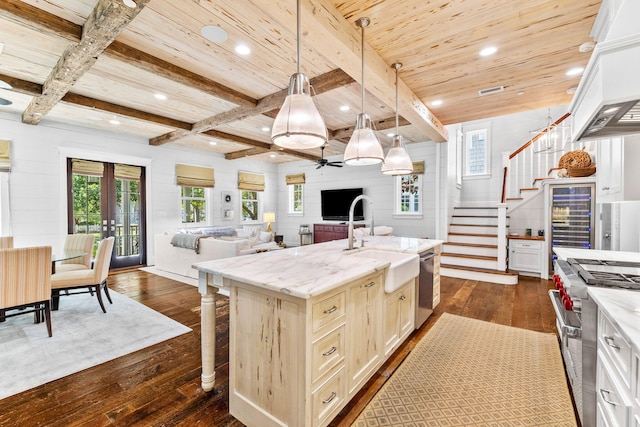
607 101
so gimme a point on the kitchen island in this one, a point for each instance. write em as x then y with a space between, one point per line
308 326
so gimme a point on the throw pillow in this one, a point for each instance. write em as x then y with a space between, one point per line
265 236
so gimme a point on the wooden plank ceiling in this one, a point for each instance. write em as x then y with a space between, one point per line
99 63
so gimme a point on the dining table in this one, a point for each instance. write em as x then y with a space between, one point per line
64 256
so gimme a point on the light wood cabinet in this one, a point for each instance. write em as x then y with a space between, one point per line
297 362
398 316
525 255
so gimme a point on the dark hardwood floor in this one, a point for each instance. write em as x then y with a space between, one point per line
159 385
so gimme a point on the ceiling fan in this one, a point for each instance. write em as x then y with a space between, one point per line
324 162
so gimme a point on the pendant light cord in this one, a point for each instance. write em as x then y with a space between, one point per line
298 36
396 66
363 23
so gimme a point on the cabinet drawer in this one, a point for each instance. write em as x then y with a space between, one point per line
327 352
323 228
328 310
611 394
528 244
617 348
326 400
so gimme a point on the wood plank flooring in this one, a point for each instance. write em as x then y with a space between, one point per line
160 385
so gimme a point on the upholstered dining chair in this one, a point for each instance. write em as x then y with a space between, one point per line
25 282
77 242
85 281
6 242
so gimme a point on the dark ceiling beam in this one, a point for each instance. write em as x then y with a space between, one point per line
323 83
40 21
105 23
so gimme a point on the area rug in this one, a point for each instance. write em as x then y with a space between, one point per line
83 336
467 372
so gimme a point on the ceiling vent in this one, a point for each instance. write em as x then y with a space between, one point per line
490 90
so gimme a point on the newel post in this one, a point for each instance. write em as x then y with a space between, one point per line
502 237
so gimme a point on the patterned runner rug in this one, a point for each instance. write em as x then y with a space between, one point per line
467 372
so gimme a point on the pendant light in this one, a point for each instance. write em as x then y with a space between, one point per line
299 124
397 161
363 147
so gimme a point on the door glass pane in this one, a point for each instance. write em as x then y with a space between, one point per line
127 217
86 205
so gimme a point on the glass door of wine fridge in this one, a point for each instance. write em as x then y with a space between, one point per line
572 217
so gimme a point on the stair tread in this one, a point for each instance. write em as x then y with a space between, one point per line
479 257
515 198
473 245
473 234
475 225
479 270
475 207
529 188
476 216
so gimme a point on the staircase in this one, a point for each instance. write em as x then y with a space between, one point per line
472 250
476 243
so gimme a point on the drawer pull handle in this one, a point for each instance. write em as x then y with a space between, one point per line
330 351
370 284
605 396
611 342
331 310
402 298
330 398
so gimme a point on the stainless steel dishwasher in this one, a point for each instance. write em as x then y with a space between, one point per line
424 290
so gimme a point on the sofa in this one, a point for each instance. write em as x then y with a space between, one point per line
178 260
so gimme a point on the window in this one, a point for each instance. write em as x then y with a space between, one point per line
476 152
250 205
193 204
296 205
409 195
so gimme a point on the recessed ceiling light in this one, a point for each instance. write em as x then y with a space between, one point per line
5 101
4 85
243 49
160 96
214 33
391 134
129 3
575 71
272 155
520 93
114 122
488 51
611 110
572 90
586 47
213 143
436 103
265 129
344 108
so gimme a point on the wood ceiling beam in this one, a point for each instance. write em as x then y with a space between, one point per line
33 89
339 40
323 83
384 124
84 101
257 151
106 21
258 147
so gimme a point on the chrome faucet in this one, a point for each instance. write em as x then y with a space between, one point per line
353 205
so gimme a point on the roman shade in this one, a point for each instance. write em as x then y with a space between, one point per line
295 179
250 181
132 173
5 155
87 167
195 176
418 168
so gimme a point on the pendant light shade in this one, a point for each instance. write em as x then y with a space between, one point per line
363 147
299 124
397 161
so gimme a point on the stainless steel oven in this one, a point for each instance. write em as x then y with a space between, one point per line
576 320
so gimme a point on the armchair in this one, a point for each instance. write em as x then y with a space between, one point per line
25 282
94 279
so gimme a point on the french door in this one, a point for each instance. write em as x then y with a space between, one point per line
108 199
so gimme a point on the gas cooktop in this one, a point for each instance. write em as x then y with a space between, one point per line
606 273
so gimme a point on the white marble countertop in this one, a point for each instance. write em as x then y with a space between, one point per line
310 270
565 253
622 307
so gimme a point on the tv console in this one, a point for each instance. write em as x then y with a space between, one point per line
325 232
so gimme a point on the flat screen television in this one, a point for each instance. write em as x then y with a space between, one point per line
335 204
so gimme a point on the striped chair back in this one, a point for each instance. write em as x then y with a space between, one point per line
6 242
81 242
25 276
